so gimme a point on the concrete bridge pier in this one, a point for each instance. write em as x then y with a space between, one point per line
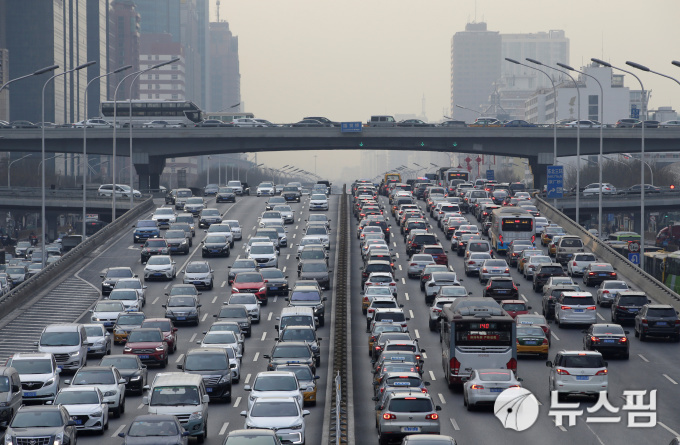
149 169
540 172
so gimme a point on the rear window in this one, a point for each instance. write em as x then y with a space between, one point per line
495 376
478 247
585 257
434 250
501 284
582 361
552 270
514 307
379 268
578 300
661 312
409 348
632 300
571 243
403 381
390 316
410 405
425 239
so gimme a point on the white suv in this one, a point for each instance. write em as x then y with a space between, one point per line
39 375
577 372
265 189
122 191
264 254
579 262
575 308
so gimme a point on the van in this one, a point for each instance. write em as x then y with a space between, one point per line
182 395
296 316
10 394
382 121
68 342
567 247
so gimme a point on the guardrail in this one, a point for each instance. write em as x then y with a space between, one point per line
647 283
50 274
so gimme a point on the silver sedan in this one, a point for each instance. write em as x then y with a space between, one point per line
417 263
485 385
493 268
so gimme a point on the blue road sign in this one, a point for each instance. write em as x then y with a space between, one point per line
555 181
634 258
634 111
350 127
490 175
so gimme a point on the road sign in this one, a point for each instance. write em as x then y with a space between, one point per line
555 181
490 175
633 246
634 258
634 111
350 127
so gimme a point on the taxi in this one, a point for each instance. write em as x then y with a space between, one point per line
552 247
548 234
306 378
532 340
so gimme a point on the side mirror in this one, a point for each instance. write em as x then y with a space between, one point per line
517 284
206 398
548 363
247 388
438 408
121 434
266 356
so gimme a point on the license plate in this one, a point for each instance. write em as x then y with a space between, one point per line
633 310
143 357
214 251
78 421
410 429
603 274
108 323
30 394
582 377
579 310
608 341
208 389
530 343
274 288
662 323
496 389
502 292
181 318
198 282
157 274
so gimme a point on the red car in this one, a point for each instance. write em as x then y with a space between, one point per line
438 253
250 282
149 345
515 307
167 328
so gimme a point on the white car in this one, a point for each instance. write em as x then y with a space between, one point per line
235 228
578 263
270 216
436 310
93 123
320 232
40 374
265 189
583 123
594 189
86 406
160 267
129 298
99 337
281 414
484 386
106 312
162 124
164 216
577 372
265 254
318 202
608 291
236 186
382 279
251 303
222 339
286 212
108 380
274 384
122 191
310 240
252 122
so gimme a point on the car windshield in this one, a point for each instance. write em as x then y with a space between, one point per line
183 193
599 329
314 267
453 291
94 377
219 337
60 339
147 428
210 212
16 270
248 278
584 257
183 290
244 264
147 223
163 211
163 325
120 362
32 366
378 290
158 261
194 201
174 234
94 331
274 409
495 263
300 295
206 362
174 395
123 294
109 306
216 239
615 285
272 273
198 267
585 300
275 383
292 334
233 312
128 284
570 243
37 419
316 231
77 398
262 250
526 331
145 336
219 228
291 351
155 243
179 301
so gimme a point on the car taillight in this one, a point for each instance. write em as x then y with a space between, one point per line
545 341
613 274
433 416
643 321
591 308
423 390
455 366
370 311
488 286
378 348
388 416
624 339
594 339
602 372
561 371
365 299
470 263
574 263
605 291
393 283
484 270
512 364
507 270
436 309
591 273
413 264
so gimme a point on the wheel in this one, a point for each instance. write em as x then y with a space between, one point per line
643 336
210 286
433 325
116 413
637 334
164 364
317 361
228 253
122 406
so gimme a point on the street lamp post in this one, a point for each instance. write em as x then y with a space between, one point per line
85 170
209 158
642 159
599 203
42 137
252 168
554 110
34 73
578 135
10 165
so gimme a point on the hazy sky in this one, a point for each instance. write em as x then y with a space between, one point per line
349 59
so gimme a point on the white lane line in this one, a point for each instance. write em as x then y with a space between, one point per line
454 424
554 336
167 286
119 430
395 243
600 316
238 257
214 299
410 313
643 358
524 298
661 425
403 281
432 377
247 380
269 317
179 359
193 337
205 316
296 227
564 430
254 227
237 402
257 355
424 355
670 379
417 333
294 235
299 219
249 236
155 300
441 398
400 267
224 428
224 283
397 255
264 335
276 298
406 295
141 405
284 269
288 256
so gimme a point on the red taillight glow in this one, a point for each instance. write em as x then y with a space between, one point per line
591 308
388 416
433 416
561 371
602 372
594 339
477 387
565 308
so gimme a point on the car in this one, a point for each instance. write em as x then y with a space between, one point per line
530 262
303 295
274 384
177 241
112 275
100 339
578 263
167 328
534 320
372 292
108 380
596 273
291 352
318 202
283 414
518 123
436 281
134 284
577 373
123 191
209 216
637 189
149 345
159 429
125 323
484 386
194 205
130 368
287 213
185 219
145 229
265 189
215 245
417 263
222 229
38 373
265 254
501 288
493 268
406 411
291 193
606 293
575 308
93 123
545 272
275 282
627 123
626 306
86 406
164 216
222 339
584 123
241 265
198 273
226 194
532 340
250 301
238 314
657 320
235 228
210 189
184 289
214 367
594 189
182 309
106 312
29 423
250 282
160 267
316 270
607 339
162 124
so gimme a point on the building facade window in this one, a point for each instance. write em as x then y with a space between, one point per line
593 107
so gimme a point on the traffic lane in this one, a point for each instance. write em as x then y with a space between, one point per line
260 343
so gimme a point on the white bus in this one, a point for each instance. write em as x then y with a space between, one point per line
508 224
183 112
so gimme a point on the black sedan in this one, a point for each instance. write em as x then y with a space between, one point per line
275 281
596 273
607 339
310 123
215 245
225 194
131 369
413 123
636 189
156 429
518 123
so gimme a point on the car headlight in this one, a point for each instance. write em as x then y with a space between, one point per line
196 415
193 312
74 353
296 427
234 290
97 414
314 348
183 243
159 348
252 398
263 288
127 349
109 393
8 440
225 379
58 439
49 382
135 378
94 319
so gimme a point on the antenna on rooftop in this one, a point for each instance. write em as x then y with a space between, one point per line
218 10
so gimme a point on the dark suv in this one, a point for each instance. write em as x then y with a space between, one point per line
501 288
111 277
212 364
543 272
43 424
626 306
374 266
658 320
417 241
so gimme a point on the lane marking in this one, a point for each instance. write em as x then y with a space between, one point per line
410 313
662 426
600 316
276 297
294 235
296 227
193 337
441 398
424 355
247 380
400 268
397 255
432 377
284 269
406 295
395 243
205 316
224 283
454 424
554 336
564 430
237 402
179 359
403 281
224 427
288 256
119 430
643 358
524 298
417 333
254 227
257 355
670 379
264 335
214 299
238 257
167 286
155 300
269 317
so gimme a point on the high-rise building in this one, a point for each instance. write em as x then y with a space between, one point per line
160 17
203 10
124 35
475 67
98 50
225 77
167 82
62 27
4 63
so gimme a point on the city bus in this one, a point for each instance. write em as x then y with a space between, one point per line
508 224
665 267
183 112
476 338
456 173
